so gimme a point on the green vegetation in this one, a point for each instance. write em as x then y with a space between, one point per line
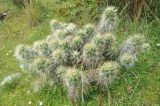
137 86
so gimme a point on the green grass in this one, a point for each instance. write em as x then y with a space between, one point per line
143 80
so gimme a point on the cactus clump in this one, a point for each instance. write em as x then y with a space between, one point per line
76 57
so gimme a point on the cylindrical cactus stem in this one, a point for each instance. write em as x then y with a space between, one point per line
59 57
74 58
103 42
77 84
60 74
99 42
72 77
24 53
109 20
140 43
42 66
109 40
128 59
42 48
127 47
89 31
137 39
71 29
131 48
91 58
61 34
91 76
56 25
72 81
107 72
77 43
53 44
65 45
111 53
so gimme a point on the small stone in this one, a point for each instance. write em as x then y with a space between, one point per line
40 103
28 91
129 89
158 44
30 102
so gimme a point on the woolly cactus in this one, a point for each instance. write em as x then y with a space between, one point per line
76 57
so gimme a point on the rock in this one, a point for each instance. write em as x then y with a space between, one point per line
10 79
